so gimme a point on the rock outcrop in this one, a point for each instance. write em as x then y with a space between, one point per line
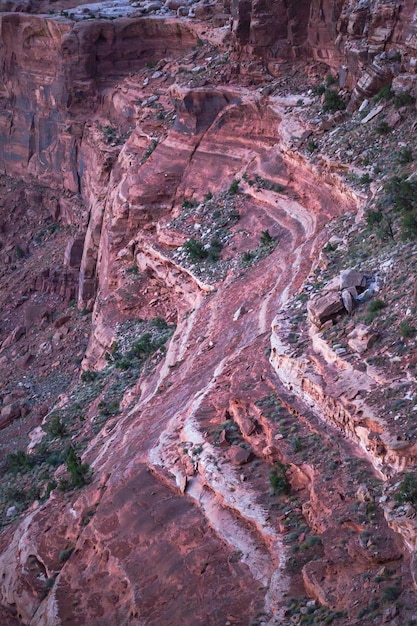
165 208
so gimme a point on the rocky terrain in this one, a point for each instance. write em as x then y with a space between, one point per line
208 313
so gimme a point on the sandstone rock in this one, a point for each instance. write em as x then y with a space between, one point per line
9 413
238 455
175 4
74 252
363 494
247 425
352 278
13 337
389 614
223 440
373 113
36 435
269 451
393 119
325 308
348 298
361 338
61 321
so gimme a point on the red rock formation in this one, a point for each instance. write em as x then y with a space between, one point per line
166 531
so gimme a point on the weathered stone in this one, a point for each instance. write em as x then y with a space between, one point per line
393 119
9 413
373 113
363 494
223 441
348 299
13 337
238 455
61 321
247 425
325 308
361 338
74 252
352 278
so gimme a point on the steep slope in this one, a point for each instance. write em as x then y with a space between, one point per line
182 215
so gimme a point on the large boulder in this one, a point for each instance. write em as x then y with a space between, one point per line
361 338
352 278
324 308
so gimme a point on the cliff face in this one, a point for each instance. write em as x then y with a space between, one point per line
162 204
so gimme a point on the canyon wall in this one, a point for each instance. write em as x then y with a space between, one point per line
153 132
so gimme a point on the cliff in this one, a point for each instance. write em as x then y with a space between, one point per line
178 180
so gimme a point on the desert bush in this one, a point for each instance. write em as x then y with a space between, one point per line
55 427
407 491
404 155
333 102
20 461
383 128
64 555
195 250
234 187
403 99
385 93
407 330
278 479
376 305
79 472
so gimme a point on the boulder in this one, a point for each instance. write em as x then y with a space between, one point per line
8 414
352 278
238 455
348 301
325 308
13 337
361 338
223 440
247 425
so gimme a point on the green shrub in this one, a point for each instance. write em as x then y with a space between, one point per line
385 93
319 90
266 238
390 594
19 252
79 472
159 323
311 146
278 479
64 555
383 128
407 491
333 102
403 99
20 461
195 250
88 376
188 204
234 187
404 155
376 305
409 225
407 330
365 179
296 444
247 257
402 193
214 251
152 146
55 427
